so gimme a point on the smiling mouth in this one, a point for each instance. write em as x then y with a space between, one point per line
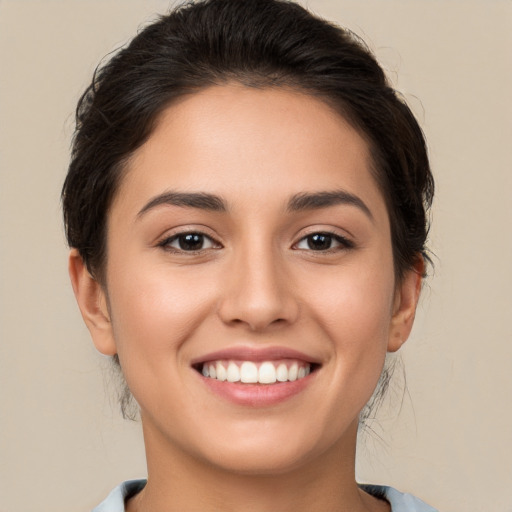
250 372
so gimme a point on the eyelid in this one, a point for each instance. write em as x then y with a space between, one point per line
345 242
169 237
205 238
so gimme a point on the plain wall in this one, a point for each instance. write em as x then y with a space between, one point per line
63 444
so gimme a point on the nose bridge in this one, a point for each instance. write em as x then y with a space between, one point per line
257 292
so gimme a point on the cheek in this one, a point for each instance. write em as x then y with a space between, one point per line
355 303
154 309
354 310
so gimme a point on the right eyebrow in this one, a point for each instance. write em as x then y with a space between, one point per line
198 200
325 199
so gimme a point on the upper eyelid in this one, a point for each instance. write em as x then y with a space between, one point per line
344 238
313 230
347 242
165 240
186 230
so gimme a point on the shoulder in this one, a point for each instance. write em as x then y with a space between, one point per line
114 502
400 502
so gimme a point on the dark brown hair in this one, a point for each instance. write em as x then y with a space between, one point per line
261 43
258 43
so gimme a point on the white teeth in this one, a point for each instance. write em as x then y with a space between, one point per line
282 373
221 372
293 371
248 372
267 373
233 372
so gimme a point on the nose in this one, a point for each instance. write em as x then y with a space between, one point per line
258 292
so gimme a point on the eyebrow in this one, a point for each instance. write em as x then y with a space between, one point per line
298 202
317 200
200 200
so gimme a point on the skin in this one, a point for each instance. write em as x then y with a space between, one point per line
257 284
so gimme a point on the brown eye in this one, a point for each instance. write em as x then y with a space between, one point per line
189 242
323 242
319 242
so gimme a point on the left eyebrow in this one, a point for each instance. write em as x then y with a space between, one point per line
317 200
198 200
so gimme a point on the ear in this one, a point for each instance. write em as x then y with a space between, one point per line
92 302
407 294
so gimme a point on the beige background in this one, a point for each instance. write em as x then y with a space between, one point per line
63 444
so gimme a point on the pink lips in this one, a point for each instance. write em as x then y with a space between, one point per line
256 395
256 354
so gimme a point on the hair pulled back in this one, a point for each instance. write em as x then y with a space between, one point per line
258 43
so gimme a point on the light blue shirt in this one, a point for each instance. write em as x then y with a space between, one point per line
399 502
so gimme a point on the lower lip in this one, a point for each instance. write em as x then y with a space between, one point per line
257 395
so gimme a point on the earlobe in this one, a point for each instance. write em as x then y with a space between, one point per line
92 302
404 308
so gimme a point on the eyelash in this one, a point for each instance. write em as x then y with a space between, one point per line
166 243
179 237
344 243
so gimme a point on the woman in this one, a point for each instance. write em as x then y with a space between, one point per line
246 207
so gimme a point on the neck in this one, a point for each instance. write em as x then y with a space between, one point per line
178 482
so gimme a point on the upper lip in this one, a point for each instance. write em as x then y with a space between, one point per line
242 353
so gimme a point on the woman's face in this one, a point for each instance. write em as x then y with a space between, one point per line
249 240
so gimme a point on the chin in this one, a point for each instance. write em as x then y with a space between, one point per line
261 462
268 454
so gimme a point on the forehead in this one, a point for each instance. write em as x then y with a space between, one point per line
250 144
